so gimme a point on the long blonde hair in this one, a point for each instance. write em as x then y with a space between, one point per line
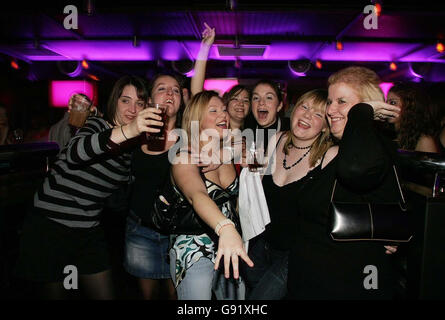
323 141
195 110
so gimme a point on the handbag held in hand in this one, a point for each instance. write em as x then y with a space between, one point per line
365 221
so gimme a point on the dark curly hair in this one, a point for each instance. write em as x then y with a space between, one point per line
416 117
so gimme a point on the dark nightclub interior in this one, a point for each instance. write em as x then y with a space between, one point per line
48 51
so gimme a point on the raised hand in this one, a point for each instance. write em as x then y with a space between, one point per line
384 111
147 120
208 35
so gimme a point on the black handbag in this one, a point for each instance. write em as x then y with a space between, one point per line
173 214
364 221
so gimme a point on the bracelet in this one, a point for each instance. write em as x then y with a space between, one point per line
221 224
122 129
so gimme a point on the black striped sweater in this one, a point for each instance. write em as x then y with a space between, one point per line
86 172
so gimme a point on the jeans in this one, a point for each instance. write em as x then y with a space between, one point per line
146 251
267 280
201 280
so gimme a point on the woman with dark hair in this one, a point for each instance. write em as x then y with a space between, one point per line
62 232
267 102
146 250
416 128
237 100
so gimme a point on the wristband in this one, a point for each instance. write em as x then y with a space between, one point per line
221 224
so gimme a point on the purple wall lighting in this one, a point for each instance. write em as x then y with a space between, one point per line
61 91
220 85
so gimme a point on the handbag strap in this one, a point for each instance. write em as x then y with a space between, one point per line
398 184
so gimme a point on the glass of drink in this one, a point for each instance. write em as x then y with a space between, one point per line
80 110
156 140
256 161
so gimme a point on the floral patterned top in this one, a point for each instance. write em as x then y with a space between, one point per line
190 248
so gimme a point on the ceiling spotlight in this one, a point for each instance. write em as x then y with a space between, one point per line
85 64
184 67
299 67
339 45
14 65
393 66
378 9
440 47
70 68
318 64
420 69
93 77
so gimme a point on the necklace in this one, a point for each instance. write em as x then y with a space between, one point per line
298 161
299 148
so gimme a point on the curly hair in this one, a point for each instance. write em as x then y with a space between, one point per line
416 117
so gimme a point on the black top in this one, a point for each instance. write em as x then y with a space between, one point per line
284 124
281 204
320 268
150 172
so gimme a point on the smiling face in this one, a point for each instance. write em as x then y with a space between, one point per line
166 90
128 106
238 106
215 117
308 120
265 105
341 98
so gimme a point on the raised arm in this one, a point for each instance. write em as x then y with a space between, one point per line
208 37
362 159
230 245
95 138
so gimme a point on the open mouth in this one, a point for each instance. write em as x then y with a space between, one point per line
169 101
222 124
303 124
239 110
262 114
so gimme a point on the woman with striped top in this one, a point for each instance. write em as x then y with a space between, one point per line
62 236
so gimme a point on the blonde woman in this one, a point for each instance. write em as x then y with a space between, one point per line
320 268
298 151
194 259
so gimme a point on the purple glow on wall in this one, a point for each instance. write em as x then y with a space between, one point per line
220 85
61 91
385 86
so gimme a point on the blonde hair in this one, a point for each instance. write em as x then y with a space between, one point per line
323 141
363 80
195 110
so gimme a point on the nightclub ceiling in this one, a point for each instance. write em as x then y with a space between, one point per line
280 40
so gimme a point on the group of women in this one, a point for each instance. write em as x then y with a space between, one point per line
329 137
